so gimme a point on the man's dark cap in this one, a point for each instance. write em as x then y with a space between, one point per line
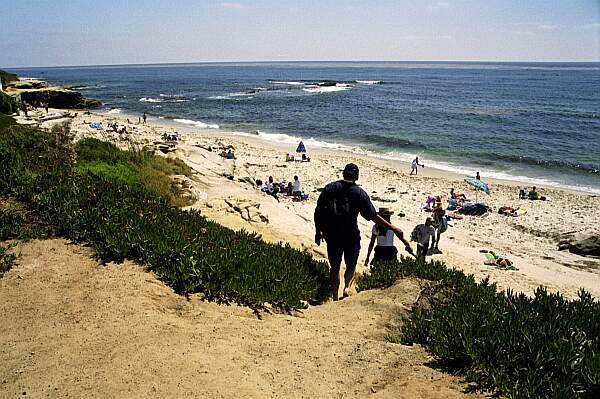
351 171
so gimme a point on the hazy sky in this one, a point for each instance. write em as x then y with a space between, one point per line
86 32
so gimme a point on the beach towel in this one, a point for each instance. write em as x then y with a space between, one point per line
96 125
477 209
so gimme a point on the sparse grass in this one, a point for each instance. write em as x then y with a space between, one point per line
133 167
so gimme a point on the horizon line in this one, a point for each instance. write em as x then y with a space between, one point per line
311 61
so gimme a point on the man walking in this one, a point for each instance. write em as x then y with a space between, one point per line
414 166
336 217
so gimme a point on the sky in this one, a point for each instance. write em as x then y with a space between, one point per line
100 32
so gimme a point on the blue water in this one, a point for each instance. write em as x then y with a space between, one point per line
534 122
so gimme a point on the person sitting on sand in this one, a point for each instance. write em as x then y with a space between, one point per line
296 187
229 154
289 158
305 158
414 166
385 249
533 194
421 234
289 189
523 193
459 197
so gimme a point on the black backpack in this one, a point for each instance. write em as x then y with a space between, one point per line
334 213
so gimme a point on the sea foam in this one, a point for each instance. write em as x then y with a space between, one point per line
198 124
327 89
150 100
369 82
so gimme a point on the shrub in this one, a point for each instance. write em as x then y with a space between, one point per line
7 260
522 347
10 224
8 105
98 202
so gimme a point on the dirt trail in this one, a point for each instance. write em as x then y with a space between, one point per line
72 327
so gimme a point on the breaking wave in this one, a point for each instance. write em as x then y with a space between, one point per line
198 124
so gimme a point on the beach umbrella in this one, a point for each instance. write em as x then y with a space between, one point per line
478 185
301 148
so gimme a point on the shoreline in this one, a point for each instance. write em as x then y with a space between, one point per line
335 148
320 146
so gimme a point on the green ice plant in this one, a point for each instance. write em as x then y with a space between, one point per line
540 346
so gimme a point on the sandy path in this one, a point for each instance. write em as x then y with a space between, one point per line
72 327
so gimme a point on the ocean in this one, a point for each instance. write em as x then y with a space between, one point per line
538 123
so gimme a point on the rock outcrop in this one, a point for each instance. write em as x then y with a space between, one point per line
587 246
39 92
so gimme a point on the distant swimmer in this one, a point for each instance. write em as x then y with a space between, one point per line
414 166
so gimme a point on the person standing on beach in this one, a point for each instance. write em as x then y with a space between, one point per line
440 224
414 165
477 176
336 217
421 234
144 118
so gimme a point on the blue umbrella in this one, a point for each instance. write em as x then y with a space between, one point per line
479 186
301 147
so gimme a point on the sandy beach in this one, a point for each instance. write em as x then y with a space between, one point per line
77 328
226 193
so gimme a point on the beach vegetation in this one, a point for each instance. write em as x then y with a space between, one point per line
95 194
6 121
8 104
540 346
7 259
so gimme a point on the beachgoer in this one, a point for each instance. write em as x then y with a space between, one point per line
421 234
440 223
414 166
523 193
269 183
385 249
296 186
305 158
139 120
229 154
533 194
477 176
457 196
46 108
290 189
144 118
336 215
289 158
